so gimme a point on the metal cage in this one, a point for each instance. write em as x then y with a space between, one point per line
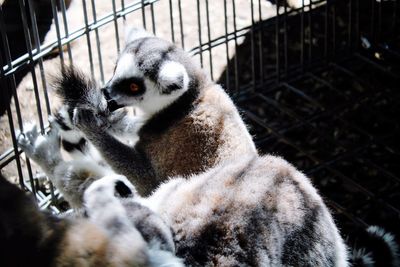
317 83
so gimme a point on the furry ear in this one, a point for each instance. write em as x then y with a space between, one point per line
132 33
173 76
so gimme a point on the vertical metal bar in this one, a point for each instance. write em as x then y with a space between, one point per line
9 64
57 24
285 36
64 15
15 147
143 15
181 24
87 31
171 16
153 23
96 31
209 40
199 32
34 80
253 61
235 59
3 86
38 50
123 8
226 44
116 25
28 44
260 44
277 44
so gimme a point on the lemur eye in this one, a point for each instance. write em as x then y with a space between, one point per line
134 87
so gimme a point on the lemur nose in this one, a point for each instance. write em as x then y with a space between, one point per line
111 103
106 93
121 190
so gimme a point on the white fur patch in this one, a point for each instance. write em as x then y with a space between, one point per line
127 67
172 72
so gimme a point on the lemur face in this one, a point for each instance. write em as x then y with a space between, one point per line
148 74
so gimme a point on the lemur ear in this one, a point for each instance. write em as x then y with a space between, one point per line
172 76
132 33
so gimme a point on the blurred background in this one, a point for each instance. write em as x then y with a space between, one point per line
317 83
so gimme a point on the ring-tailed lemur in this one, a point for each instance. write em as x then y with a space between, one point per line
117 232
246 211
187 123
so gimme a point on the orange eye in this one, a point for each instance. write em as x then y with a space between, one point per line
134 87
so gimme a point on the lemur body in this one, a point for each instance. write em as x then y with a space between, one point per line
188 123
246 211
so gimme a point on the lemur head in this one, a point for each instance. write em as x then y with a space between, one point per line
150 73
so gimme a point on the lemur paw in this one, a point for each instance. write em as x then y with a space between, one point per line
27 139
116 116
54 125
88 120
41 148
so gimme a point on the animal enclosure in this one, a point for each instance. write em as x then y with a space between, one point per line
317 83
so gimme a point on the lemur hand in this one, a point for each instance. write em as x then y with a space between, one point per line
43 149
89 120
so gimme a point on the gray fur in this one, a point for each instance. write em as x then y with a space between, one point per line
179 107
226 205
248 211
253 211
135 234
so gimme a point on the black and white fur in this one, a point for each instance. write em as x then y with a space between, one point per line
108 200
246 211
186 123
375 247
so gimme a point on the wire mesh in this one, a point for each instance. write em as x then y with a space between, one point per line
317 84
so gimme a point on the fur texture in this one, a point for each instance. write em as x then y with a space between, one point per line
247 211
109 201
187 123
226 205
379 248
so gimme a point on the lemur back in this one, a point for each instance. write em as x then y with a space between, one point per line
188 123
250 211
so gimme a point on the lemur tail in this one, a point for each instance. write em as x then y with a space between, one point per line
379 249
74 87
